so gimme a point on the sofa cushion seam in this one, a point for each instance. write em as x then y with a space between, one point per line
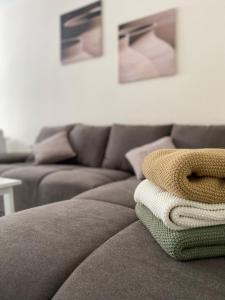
90 253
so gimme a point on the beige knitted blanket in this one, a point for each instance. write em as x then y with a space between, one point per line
197 175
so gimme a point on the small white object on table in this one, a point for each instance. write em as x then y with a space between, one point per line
6 190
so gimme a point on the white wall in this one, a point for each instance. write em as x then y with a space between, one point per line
36 90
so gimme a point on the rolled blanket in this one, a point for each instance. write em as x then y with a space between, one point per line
184 245
177 213
196 175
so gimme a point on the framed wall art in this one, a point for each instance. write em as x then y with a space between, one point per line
147 47
81 33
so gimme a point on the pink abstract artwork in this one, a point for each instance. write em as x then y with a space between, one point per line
147 47
81 33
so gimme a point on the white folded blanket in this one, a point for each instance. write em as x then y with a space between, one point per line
177 213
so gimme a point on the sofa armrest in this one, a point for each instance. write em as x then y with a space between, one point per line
10 158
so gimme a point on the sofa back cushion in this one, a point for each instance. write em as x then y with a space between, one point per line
89 142
187 136
47 132
124 138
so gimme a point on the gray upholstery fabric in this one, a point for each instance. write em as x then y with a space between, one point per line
124 138
45 184
92 247
10 158
1 210
11 166
66 184
185 136
131 266
89 142
54 149
26 195
41 247
47 132
1 207
121 192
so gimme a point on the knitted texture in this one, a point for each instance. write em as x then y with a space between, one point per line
184 245
197 175
177 213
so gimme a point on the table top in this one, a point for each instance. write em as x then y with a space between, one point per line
7 182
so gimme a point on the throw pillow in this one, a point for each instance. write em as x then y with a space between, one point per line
53 150
136 156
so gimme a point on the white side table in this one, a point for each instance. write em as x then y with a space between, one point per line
6 190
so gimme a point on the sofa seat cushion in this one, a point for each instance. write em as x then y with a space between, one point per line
26 195
66 184
124 138
41 247
7 167
188 136
131 266
121 192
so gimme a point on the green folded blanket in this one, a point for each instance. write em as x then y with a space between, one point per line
184 245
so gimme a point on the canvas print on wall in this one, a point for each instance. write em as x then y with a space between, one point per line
81 33
147 47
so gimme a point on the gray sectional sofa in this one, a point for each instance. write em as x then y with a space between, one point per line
92 246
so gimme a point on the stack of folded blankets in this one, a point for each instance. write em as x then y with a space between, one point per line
182 201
